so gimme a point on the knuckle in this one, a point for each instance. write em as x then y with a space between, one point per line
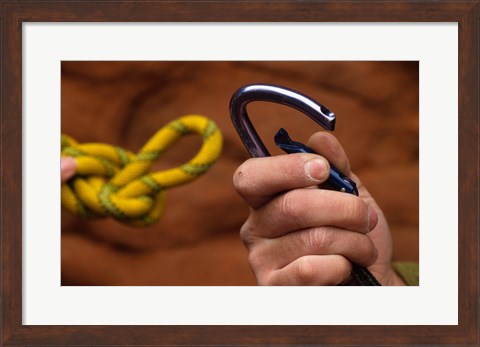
310 239
262 272
291 206
342 268
241 178
369 253
255 260
319 239
267 279
355 211
305 270
246 234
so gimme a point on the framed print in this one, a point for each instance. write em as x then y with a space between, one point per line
65 59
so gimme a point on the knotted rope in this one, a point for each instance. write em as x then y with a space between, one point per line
111 181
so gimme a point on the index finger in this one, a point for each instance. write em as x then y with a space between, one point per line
257 180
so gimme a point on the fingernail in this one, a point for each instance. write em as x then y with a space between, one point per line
316 169
372 218
68 166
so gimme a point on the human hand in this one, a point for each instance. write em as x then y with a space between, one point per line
301 236
68 166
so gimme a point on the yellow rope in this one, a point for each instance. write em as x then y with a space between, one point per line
111 181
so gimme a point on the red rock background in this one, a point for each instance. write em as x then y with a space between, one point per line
197 242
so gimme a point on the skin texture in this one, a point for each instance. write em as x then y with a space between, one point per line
296 235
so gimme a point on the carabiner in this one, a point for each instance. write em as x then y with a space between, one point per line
317 112
255 146
280 95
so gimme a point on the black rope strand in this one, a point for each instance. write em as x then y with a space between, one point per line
360 276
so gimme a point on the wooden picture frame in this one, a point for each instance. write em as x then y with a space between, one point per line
14 13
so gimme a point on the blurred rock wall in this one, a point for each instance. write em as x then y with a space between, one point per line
197 242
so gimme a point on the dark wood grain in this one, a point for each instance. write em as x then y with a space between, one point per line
468 172
241 11
14 13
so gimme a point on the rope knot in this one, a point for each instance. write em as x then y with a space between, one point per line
111 181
